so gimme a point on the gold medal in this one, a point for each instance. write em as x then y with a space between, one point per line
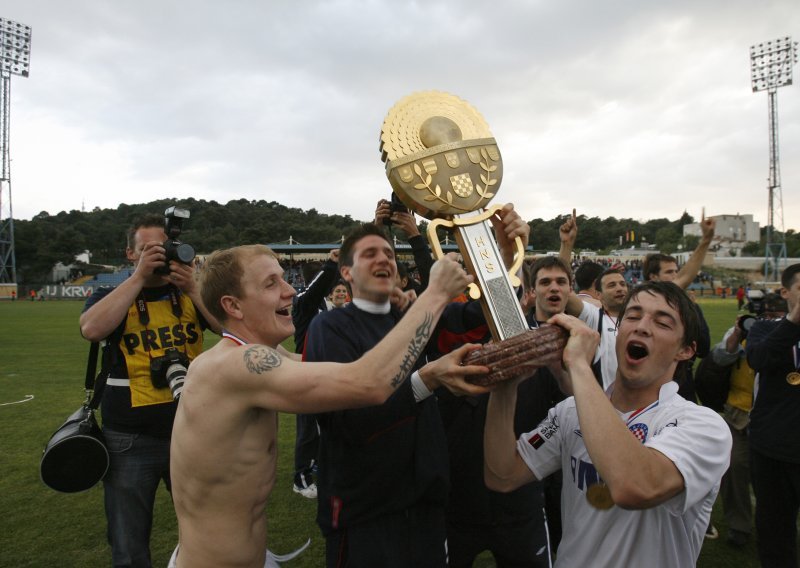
599 496
793 378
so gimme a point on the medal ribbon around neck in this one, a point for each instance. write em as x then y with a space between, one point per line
228 335
793 378
639 412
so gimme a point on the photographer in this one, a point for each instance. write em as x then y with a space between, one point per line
726 383
772 351
152 320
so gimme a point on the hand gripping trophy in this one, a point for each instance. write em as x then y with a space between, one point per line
444 164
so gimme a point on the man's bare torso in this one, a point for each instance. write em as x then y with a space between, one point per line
223 459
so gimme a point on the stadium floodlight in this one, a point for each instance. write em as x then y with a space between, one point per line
15 47
771 66
15 54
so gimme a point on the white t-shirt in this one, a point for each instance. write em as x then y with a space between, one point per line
607 350
694 438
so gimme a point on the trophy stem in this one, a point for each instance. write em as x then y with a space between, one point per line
482 258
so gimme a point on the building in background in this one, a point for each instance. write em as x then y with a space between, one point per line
733 232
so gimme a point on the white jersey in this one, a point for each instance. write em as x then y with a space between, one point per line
607 350
694 438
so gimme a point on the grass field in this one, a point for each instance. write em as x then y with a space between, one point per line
42 354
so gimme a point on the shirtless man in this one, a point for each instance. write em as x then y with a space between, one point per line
223 458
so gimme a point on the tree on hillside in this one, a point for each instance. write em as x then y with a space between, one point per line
47 239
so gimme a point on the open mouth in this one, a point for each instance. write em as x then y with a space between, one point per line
554 298
637 351
381 274
284 311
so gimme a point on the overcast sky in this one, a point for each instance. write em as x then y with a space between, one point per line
624 108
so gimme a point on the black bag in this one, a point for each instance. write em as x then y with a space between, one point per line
712 383
75 458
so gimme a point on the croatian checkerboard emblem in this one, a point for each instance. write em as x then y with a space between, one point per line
462 185
639 431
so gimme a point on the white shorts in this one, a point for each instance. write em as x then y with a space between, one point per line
272 560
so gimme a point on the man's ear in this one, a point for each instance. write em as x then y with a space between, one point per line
687 352
345 273
231 306
130 254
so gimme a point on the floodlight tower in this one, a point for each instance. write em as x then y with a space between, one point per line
15 52
771 67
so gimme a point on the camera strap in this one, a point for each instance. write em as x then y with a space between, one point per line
94 384
141 305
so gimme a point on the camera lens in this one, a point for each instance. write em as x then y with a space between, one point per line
176 375
184 253
746 322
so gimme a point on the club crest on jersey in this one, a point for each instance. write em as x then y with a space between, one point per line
639 430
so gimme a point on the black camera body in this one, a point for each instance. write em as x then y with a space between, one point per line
762 305
173 248
169 370
395 206
745 323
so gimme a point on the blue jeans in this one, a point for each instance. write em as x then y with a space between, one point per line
138 463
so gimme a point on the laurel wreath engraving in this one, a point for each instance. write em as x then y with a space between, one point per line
487 179
435 193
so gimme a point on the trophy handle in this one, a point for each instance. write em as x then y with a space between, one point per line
474 291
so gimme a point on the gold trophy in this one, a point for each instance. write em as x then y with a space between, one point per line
444 164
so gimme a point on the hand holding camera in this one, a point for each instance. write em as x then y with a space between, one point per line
175 250
396 206
150 259
382 212
744 323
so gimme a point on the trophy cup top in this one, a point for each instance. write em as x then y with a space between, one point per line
441 158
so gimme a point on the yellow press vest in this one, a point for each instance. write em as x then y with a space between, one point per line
742 380
141 343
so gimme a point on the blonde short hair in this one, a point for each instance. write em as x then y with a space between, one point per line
222 274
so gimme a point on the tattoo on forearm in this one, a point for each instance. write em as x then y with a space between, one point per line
415 348
260 359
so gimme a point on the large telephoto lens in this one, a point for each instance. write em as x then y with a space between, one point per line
176 375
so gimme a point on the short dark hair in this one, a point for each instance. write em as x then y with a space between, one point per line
340 282
787 277
526 275
145 221
652 264
402 270
675 298
365 230
598 283
549 262
587 273
774 303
